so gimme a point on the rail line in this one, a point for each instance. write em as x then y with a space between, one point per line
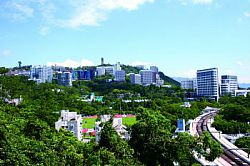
230 157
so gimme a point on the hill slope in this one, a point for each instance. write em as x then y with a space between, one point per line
168 79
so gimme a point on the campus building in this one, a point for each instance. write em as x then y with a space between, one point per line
146 77
120 75
41 74
64 78
135 78
229 84
70 121
207 83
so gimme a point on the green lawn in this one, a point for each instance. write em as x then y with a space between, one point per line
129 121
88 123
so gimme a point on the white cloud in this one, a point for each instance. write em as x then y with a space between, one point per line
240 63
86 62
6 53
247 14
93 12
72 63
44 31
74 13
202 2
188 73
17 10
139 63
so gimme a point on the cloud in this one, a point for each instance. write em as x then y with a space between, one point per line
139 63
6 53
240 63
188 73
72 63
91 12
44 31
201 2
247 14
71 13
17 10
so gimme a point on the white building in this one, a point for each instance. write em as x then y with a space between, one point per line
146 77
120 75
117 66
208 84
135 78
100 71
41 74
229 84
70 121
159 82
117 125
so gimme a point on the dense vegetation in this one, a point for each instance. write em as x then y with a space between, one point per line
234 115
28 136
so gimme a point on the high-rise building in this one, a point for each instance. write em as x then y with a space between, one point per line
207 83
117 66
229 84
120 75
135 78
64 78
146 77
41 74
154 69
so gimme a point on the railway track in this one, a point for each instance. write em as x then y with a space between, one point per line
227 155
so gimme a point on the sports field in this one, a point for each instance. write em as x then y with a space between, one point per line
89 123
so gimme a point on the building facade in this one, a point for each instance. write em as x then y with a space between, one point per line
41 74
229 84
187 84
70 121
147 77
135 78
120 75
207 83
64 78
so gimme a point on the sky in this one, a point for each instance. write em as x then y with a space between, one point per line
178 36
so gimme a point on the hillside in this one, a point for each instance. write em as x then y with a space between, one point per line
168 79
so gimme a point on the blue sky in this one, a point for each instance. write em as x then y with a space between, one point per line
179 36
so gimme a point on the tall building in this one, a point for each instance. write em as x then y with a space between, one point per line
135 78
229 84
154 69
64 78
102 61
120 75
146 77
207 83
41 74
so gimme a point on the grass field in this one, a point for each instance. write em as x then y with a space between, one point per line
129 121
89 123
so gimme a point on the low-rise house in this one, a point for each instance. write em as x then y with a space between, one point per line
70 121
